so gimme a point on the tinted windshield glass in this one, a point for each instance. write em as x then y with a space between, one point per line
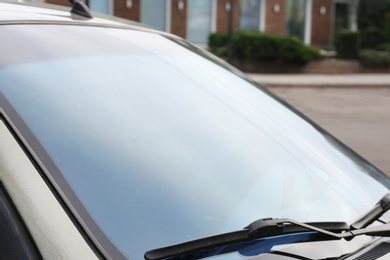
162 145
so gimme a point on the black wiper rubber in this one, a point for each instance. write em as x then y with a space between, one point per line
195 245
265 228
381 207
259 229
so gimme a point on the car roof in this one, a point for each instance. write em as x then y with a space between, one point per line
19 12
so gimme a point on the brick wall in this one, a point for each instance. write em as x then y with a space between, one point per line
321 23
133 13
59 2
275 21
179 18
223 15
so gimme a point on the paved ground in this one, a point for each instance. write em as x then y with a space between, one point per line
346 80
354 108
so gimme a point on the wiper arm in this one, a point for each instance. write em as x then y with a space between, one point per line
266 228
374 214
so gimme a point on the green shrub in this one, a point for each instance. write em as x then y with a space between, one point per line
372 13
293 50
252 46
313 52
387 27
371 37
217 42
347 44
374 58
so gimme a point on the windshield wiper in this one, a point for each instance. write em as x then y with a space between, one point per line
279 229
374 214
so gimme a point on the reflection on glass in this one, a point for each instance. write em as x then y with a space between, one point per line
162 145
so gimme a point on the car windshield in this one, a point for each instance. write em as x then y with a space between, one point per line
163 145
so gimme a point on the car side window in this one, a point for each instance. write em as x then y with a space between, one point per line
15 240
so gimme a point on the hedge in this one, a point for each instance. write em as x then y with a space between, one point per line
387 27
371 37
252 46
218 43
347 44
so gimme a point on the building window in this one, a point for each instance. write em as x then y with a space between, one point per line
154 13
295 18
100 6
200 20
250 13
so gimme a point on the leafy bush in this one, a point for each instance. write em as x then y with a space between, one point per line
252 46
347 44
374 23
372 13
217 43
374 58
291 49
387 27
371 37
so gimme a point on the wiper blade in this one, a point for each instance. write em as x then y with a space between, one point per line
266 228
261 228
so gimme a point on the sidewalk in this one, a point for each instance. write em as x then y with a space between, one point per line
322 80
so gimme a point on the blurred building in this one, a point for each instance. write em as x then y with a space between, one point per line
313 21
